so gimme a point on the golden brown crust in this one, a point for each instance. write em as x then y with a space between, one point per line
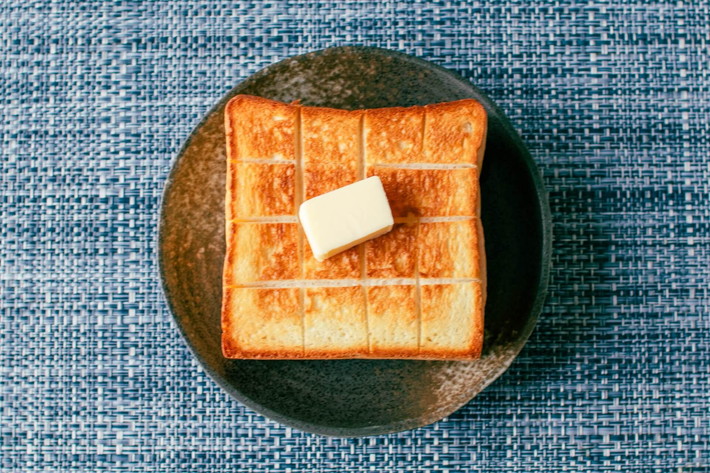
262 252
430 192
394 254
261 323
335 322
259 128
393 135
345 265
452 320
320 178
483 264
231 182
258 190
482 147
330 135
393 321
454 132
429 158
449 250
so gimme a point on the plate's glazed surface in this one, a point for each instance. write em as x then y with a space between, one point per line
356 397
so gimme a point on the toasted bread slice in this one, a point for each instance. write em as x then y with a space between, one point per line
445 133
415 292
330 160
320 178
330 149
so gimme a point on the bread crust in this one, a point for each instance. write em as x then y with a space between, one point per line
330 136
454 132
259 128
417 292
393 135
447 306
276 333
335 322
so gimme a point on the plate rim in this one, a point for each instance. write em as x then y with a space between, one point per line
405 424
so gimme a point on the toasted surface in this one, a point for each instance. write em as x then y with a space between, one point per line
454 132
262 323
449 250
345 265
335 322
320 178
258 128
393 320
393 135
258 189
262 252
393 255
452 320
415 292
430 192
330 135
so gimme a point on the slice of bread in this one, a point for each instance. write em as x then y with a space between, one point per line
416 292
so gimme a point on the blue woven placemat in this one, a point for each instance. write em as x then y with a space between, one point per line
614 102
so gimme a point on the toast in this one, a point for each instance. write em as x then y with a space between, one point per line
416 292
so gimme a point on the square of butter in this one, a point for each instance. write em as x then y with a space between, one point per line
345 217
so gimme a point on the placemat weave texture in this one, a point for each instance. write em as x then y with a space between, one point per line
613 100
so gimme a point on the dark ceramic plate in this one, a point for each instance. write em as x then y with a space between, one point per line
356 397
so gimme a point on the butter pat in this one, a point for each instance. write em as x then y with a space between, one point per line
345 217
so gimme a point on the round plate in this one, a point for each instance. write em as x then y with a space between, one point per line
356 397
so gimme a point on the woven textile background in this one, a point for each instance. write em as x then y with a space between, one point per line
614 103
